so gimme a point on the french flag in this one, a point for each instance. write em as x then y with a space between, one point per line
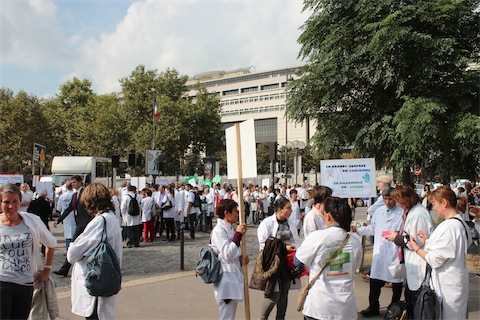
155 108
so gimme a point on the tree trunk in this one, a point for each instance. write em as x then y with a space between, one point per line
406 176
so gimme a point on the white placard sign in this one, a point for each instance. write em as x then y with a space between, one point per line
10 178
248 151
45 186
349 178
266 182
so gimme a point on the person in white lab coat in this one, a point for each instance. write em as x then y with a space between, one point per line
225 240
415 218
446 252
385 263
314 219
69 224
98 203
382 183
280 227
132 223
331 296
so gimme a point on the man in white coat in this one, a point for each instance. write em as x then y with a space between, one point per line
382 183
133 223
69 224
180 209
385 262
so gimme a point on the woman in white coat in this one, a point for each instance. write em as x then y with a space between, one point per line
97 201
225 241
416 218
280 227
331 297
446 252
169 214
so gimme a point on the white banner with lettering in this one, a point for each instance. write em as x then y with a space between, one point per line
349 178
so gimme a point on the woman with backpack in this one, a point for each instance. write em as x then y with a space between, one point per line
98 204
225 241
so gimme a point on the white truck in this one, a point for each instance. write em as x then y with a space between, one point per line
91 169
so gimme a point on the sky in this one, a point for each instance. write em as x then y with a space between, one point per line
45 43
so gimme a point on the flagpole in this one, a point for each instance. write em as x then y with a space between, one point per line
153 118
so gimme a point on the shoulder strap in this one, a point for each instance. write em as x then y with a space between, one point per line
335 254
466 232
104 229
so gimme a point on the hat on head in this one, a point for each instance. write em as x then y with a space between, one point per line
384 179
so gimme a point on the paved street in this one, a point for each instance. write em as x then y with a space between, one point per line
155 288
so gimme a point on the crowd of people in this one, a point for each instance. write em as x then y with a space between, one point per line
302 226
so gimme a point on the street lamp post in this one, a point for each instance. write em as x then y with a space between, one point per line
288 77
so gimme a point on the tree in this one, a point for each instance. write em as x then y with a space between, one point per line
391 78
23 124
184 129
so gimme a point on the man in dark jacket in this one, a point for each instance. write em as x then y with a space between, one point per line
41 207
81 218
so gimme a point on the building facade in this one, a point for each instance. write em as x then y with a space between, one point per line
259 95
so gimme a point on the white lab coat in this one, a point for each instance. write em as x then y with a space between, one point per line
147 203
331 297
296 214
69 224
179 205
313 221
447 253
418 218
230 285
170 213
82 302
41 235
371 210
269 227
385 253
129 220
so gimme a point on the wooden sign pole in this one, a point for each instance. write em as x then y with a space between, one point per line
242 220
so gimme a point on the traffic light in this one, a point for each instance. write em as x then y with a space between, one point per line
272 151
115 161
131 159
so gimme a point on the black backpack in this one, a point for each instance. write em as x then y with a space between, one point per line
133 207
103 275
396 311
197 202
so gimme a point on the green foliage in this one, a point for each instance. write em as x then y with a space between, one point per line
389 77
79 122
23 123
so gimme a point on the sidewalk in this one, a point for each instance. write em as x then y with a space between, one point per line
182 296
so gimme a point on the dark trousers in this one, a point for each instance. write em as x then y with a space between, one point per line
375 289
192 218
16 300
411 300
170 228
67 265
159 225
94 315
133 236
279 299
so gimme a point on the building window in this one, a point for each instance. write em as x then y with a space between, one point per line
230 92
249 89
269 86
265 129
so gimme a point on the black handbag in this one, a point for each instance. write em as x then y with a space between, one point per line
167 205
428 305
103 277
